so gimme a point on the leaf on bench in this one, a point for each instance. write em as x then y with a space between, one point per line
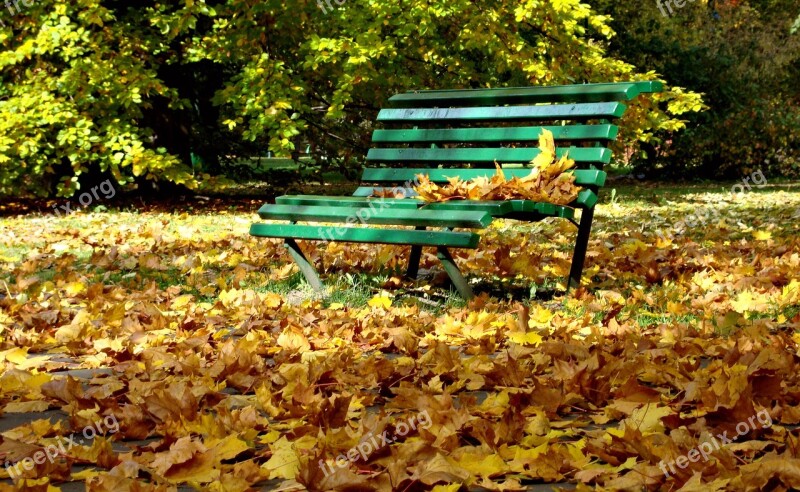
547 182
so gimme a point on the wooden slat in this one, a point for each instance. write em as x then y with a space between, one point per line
576 93
495 208
344 201
583 177
508 207
586 111
367 235
585 155
545 209
367 191
509 134
376 215
586 197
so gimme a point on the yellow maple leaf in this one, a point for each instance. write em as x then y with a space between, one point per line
540 317
284 462
26 406
482 466
269 437
762 235
16 355
75 288
647 419
547 150
626 465
115 344
185 455
87 474
227 448
293 340
67 333
791 293
529 338
749 301
381 301
181 302
563 164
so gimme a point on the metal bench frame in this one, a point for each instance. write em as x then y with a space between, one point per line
453 122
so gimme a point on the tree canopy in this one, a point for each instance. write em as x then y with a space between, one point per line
130 90
744 57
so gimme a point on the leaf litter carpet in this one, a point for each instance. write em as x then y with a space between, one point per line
172 335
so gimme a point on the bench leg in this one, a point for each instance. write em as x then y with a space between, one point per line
413 260
581 245
454 273
306 268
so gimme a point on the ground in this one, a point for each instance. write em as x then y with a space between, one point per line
200 359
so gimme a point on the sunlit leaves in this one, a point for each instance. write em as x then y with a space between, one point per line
205 344
86 81
547 182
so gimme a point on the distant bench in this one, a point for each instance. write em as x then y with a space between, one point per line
462 133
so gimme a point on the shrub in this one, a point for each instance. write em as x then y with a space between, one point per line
744 59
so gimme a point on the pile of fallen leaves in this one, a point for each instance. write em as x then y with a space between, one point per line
180 330
547 181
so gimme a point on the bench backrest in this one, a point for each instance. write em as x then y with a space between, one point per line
446 133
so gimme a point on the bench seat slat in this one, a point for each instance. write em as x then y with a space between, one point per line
583 177
367 235
595 155
495 208
583 111
546 209
577 93
508 207
508 134
586 197
376 215
345 201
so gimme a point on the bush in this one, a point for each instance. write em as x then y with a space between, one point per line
744 59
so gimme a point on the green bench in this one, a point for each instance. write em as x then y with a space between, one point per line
462 133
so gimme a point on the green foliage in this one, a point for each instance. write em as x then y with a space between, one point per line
745 61
75 86
131 91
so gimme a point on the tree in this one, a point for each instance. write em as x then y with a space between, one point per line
129 90
745 60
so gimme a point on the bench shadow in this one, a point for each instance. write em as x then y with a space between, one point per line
516 292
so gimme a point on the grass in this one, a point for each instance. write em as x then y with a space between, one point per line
212 228
357 289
